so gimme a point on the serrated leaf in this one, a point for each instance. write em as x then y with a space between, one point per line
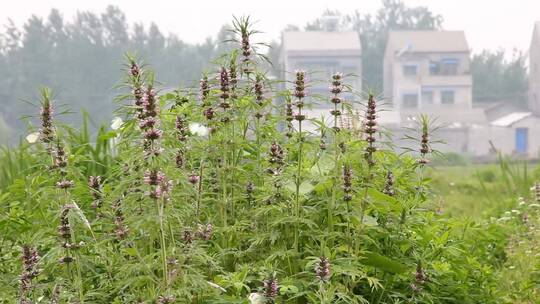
383 263
381 200
323 165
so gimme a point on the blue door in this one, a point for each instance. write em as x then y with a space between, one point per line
522 141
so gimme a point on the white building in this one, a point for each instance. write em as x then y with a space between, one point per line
428 72
321 54
425 72
514 129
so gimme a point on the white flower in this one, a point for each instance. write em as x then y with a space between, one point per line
256 298
32 137
216 286
198 129
116 123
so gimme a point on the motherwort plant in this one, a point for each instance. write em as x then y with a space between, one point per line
224 193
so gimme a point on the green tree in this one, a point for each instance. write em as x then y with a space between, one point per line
374 29
80 60
497 78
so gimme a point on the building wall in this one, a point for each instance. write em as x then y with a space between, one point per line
532 123
397 83
444 140
481 136
321 69
504 138
474 140
534 73
455 140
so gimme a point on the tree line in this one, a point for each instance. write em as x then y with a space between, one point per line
79 58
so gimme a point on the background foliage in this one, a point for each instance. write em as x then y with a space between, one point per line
80 58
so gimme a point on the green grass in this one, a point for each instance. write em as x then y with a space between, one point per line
479 191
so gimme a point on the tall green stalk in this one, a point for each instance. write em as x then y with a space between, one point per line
300 94
160 205
335 89
298 182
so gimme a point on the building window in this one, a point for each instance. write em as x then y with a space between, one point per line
427 97
410 100
322 67
449 66
447 97
409 70
433 68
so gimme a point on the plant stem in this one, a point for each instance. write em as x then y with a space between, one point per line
160 210
77 257
224 190
335 179
233 159
298 182
77 267
199 193
79 278
258 139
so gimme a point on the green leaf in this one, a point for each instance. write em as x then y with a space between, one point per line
405 246
168 96
108 135
305 187
370 221
441 267
288 289
323 165
378 196
383 263
131 251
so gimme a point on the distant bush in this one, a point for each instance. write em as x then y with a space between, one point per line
450 159
487 175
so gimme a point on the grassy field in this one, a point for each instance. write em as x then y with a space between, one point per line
481 190
497 193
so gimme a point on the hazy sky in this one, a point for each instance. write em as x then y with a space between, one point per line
489 24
